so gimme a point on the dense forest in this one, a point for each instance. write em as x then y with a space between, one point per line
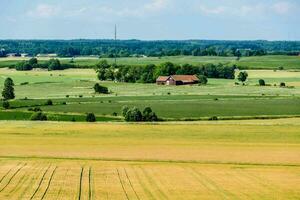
126 48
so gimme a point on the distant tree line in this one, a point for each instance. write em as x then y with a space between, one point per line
149 73
52 64
126 48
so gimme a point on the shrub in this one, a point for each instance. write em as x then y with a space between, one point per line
261 82
133 115
73 119
214 118
115 114
100 89
281 68
63 103
90 117
80 96
282 84
38 116
49 102
24 83
202 80
243 76
124 110
5 105
67 96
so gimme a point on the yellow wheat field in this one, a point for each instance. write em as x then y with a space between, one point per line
199 160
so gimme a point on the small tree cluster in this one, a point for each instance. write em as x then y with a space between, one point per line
5 105
100 89
38 116
49 102
243 76
27 65
202 80
90 117
135 115
8 90
261 82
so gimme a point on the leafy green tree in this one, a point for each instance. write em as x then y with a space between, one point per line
5 105
33 61
54 64
124 110
133 115
261 82
101 69
38 116
49 102
243 76
100 89
8 90
90 117
202 80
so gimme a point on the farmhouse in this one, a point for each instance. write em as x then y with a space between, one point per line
177 80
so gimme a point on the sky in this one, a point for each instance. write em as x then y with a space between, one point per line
150 19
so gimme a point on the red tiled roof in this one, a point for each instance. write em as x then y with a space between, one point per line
185 78
162 78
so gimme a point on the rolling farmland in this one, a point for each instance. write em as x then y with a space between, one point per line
211 160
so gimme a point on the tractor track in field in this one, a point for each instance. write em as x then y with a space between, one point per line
80 183
3 177
29 184
137 196
40 183
11 178
141 182
21 180
121 182
49 182
90 184
208 183
154 183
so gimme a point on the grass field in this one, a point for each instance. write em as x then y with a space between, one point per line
221 98
255 62
207 160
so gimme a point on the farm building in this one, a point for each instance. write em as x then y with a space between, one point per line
177 80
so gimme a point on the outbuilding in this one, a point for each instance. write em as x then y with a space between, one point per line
177 80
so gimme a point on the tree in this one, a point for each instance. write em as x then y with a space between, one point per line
149 115
49 102
202 80
261 82
54 64
133 115
101 69
100 89
124 110
5 105
90 117
38 116
8 90
33 61
243 76
282 84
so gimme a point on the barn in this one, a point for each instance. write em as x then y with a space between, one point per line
177 80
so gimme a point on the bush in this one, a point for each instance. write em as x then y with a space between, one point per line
124 110
100 89
38 116
67 96
5 105
133 115
282 84
214 118
24 83
261 82
49 102
202 80
63 103
90 117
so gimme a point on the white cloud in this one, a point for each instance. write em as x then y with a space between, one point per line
156 5
44 10
282 7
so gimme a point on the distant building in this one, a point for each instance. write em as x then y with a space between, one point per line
13 55
177 80
47 55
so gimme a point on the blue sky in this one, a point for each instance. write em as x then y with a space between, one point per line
150 19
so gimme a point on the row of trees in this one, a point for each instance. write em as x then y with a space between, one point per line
149 73
125 48
135 115
52 64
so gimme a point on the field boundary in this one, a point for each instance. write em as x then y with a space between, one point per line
153 161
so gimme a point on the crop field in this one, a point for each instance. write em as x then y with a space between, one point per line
255 62
208 160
